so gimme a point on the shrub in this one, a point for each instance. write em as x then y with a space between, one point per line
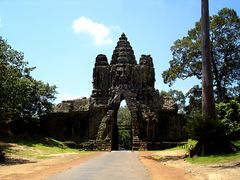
197 128
229 114
190 145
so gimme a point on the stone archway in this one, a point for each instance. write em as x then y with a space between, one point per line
108 129
123 78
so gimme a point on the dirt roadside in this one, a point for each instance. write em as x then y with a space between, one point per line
37 170
172 166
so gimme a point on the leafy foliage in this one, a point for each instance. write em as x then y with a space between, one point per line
124 116
125 139
227 123
229 113
225 54
22 98
189 145
199 128
195 99
124 124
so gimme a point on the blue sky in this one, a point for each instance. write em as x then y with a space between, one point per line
63 37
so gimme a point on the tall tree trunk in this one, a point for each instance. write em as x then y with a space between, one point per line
211 140
208 104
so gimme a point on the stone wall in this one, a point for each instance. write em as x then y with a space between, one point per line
66 126
72 120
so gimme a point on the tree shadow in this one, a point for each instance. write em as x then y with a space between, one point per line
5 146
9 161
226 166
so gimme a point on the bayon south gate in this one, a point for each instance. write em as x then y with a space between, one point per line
93 120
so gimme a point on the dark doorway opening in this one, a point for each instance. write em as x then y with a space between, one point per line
122 129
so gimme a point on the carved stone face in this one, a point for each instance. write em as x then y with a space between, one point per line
120 70
146 60
122 74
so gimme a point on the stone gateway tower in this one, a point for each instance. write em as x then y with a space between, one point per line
153 117
124 79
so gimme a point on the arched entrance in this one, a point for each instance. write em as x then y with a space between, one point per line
108 133
122 129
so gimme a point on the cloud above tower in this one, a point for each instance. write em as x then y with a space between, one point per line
99 32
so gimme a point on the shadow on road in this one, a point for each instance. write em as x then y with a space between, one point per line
165 158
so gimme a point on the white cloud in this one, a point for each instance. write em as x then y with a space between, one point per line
65 96
99 32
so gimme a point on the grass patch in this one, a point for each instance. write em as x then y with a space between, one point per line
49 142
38 151
211 159
218 158
37 148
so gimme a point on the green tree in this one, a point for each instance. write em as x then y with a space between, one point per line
207 129
124 116
124 126
229 114
22 98
195 99
11 68
224 53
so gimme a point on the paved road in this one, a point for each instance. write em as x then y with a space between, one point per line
115 165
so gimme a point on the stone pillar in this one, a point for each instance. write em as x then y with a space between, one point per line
135 129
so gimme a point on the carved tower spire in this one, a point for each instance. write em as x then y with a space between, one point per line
123 52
